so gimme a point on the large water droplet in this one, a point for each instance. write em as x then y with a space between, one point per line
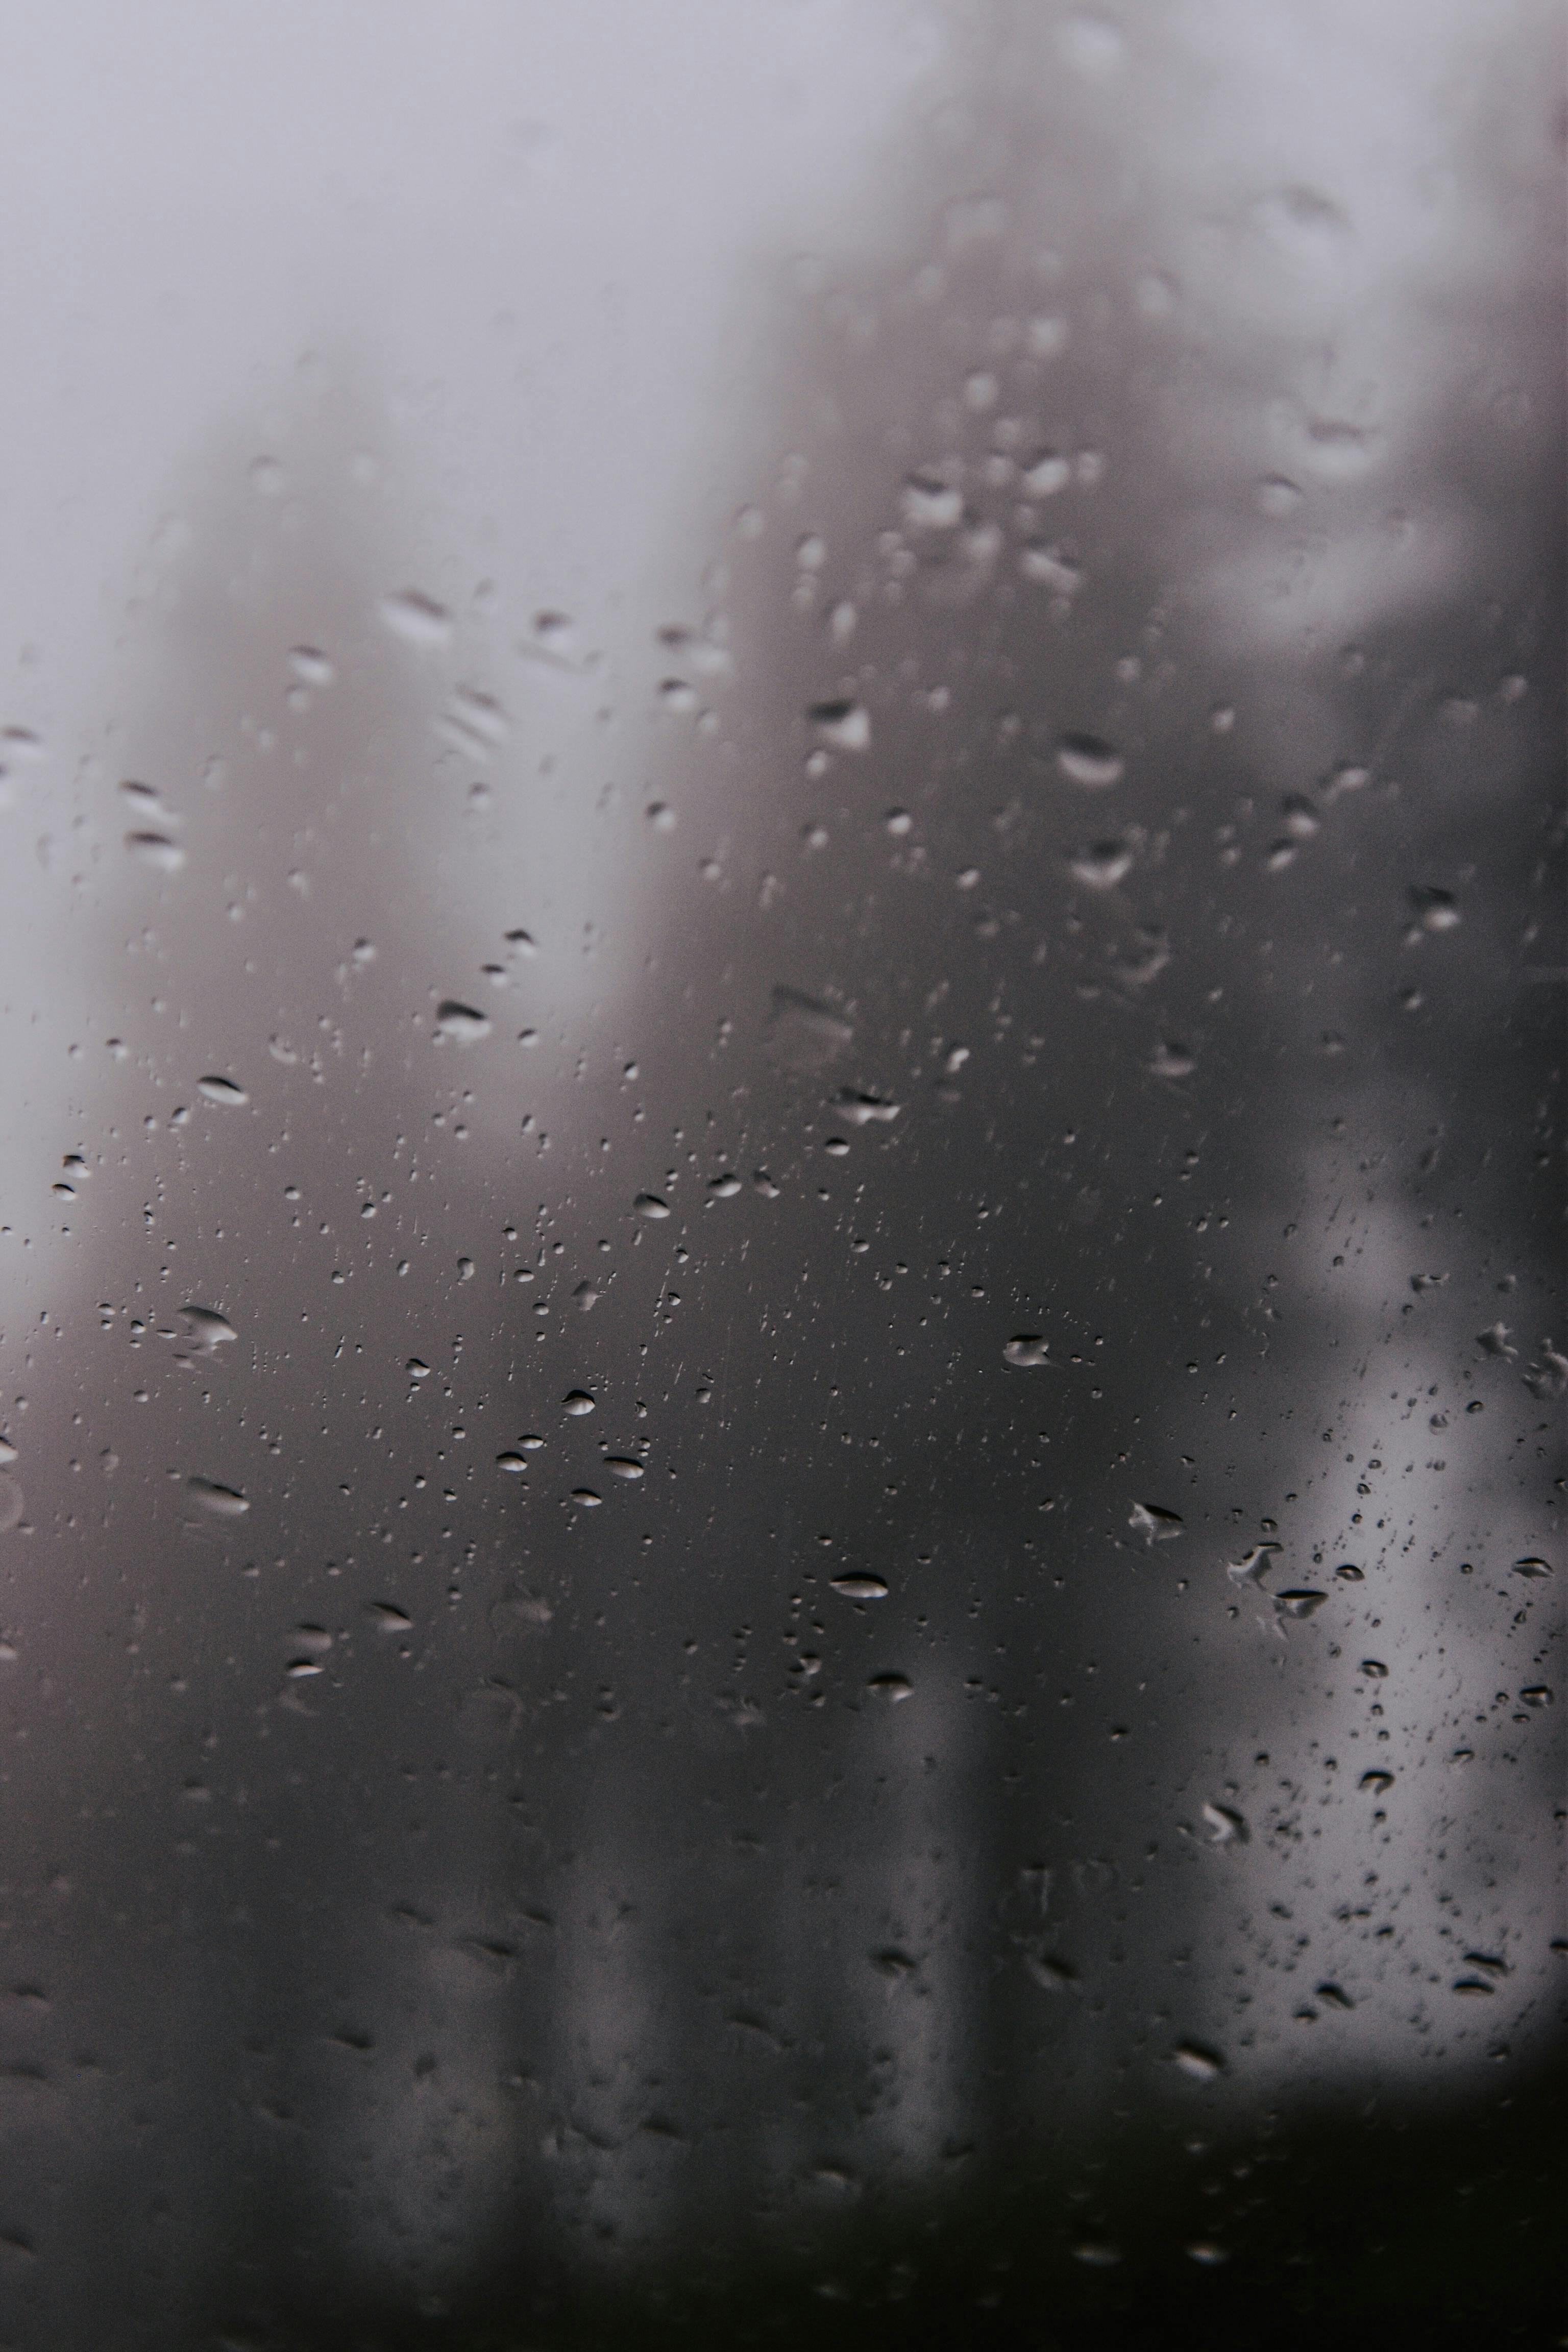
1198 2061
1154 1523
860 1587
803 1035
461 1022
208 1328
649 1205
892 1688
222 1502
1224 1825
577 1402
1027 1354
218 1089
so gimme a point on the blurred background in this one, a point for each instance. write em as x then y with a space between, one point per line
780 1254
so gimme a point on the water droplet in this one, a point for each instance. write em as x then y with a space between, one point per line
415 617
461 1022
621 1466
1096 2254
7 1453
1276 496
1027 1352
1435 911
1495 1342
898 822
1204 2251
311 667
1154 1523
763 1183
12 1502
417 1369
220 1090
1374 1669
1047 475
1349 1572
514 1465
1171 1060
891 1687
1051 1975
585 1499
1473 1985
577 1402
1334 1995
928 503
844 726
208 1328
648 1204
222 1502
1376 1782
1053 567
1537 1694
725 1187
1102 866
864 1110
389 1618
1302 1603
1250 1568
156 849
1224 1825
586 1297
1047 337
1532 1568
1199 2064
859 1587
660 815
806 1035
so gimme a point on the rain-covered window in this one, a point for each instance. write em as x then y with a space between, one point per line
780 1218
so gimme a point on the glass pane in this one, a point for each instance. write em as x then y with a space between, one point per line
781 1285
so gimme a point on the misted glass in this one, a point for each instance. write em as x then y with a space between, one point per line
781 1236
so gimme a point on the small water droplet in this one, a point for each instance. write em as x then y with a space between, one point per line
1376 1782
389 1617
649 1205
222 1502
621 1466
156 849
725 1187
1532 1568
218 1089
12 1502
311 667
577 1402
1102 866
1537 1694
417 1369
893 1688
1154 1523
415 617
585 1499
928 503
1300 1603
514 1465
898 822
1047 475
1374 1669
860 1587
1349 1572
1334 1996
1204 2251
843 726
1199 2064
1027 1352
1436 910
1276 496
1224 1825
1171 1060
1096 2254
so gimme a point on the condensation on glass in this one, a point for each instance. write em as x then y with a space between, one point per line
780 1259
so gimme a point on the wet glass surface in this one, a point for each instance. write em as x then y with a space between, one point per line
780 1265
